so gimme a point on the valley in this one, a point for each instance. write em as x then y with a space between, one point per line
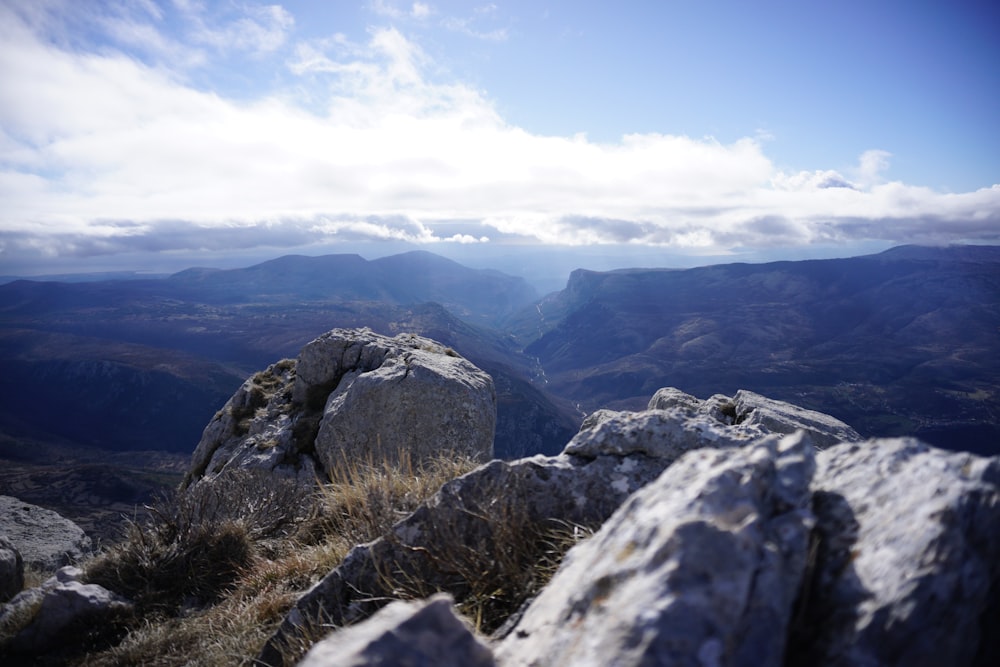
107 385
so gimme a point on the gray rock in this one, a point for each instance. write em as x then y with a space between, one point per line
72 616
45 539
908 562
475 513
756 414
24 605
351 393
780 417
615 454
426 633
662 434
11 570
700 567
420 398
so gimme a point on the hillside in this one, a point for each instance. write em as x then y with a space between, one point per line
900 343
106 367
903 342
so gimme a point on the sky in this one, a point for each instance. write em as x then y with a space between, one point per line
159 134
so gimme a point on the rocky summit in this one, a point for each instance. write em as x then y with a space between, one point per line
727 531
732 531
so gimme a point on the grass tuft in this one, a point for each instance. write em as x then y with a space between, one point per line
216 569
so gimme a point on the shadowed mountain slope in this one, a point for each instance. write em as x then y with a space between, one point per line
144 364
903 342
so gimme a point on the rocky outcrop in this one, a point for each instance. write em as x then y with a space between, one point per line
710 565
352 394
11 570
907 568
703 565
45 539
724 541
404 633
613 455
754 414
66 617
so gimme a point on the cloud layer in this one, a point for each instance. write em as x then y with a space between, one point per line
117 145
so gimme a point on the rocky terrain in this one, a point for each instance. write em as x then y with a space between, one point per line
108 385
731 530
351 395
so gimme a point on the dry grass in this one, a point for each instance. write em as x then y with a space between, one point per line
225 617
492 560
193 545
365 498
233 631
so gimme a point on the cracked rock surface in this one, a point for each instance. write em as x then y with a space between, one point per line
351 393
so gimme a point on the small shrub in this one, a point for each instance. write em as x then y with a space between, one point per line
491 563
194 544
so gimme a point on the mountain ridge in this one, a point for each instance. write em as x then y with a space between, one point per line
916 322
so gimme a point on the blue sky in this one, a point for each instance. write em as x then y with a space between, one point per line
162 133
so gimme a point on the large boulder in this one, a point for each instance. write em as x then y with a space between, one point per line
404 633
45 539
700 567
11 570
351 394
907 568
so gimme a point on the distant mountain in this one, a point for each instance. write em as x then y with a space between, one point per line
477 295
144 364
903 342
906 342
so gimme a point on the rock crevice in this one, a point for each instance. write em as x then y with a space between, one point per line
351 393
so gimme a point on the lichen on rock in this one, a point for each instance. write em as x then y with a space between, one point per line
351 394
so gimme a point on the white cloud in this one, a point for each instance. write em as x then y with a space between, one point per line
467 26
100 153
259 29
417 10
871 165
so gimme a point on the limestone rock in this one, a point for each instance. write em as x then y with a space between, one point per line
45 539
351 393
780 417
11 570
404 633
473 513
755 414
662 434
908 562
420 398
25 604
71 617
701 567
615 454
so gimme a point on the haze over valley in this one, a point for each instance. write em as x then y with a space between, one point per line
898 343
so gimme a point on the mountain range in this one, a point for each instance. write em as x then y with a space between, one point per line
902 342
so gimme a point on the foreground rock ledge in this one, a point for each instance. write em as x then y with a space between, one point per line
702 565
352 394
722 543
614 455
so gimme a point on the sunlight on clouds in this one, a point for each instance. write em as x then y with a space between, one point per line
102 152
417 10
